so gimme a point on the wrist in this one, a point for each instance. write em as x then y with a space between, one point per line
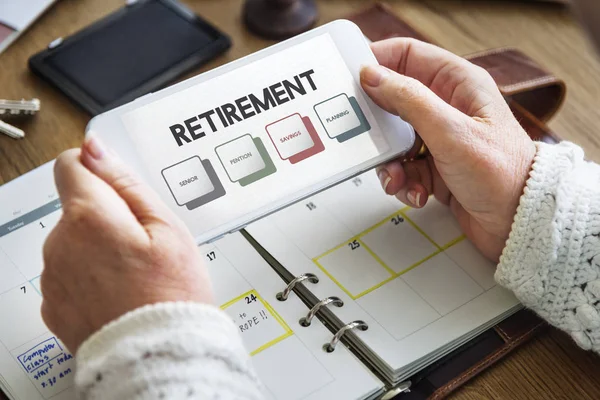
521 175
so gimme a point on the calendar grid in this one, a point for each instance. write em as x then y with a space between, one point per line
357 241
35 282
417 227
453 242
376 257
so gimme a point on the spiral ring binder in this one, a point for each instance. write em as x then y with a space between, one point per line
312 278
336 301
358 324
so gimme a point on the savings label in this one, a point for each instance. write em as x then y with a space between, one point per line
245 159
295 138
342 117
259 325
193 182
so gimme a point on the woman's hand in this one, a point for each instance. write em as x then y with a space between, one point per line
480 156
117 247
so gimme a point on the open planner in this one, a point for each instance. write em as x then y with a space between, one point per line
343 295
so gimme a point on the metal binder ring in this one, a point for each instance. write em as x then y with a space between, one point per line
336 301
312 278
358 324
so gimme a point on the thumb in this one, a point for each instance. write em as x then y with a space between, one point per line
432 117
143 202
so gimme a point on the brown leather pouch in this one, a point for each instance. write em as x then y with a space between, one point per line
522 80
534 96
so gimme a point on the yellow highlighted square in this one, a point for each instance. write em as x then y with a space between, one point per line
398 243
357 266
436 220
258 323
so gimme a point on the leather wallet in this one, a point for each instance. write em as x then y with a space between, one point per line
534 95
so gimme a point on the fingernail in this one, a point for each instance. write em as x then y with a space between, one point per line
374 74
384 178
414 198
95 147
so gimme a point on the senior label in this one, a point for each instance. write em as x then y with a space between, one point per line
188 180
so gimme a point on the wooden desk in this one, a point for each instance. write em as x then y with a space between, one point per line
551 366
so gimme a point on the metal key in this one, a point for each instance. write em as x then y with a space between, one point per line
19 107
11 131
11 108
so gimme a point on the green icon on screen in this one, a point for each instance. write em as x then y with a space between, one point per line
245 159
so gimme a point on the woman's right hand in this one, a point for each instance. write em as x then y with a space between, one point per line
117 247
480 156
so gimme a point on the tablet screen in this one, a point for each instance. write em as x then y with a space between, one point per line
232 145
127 52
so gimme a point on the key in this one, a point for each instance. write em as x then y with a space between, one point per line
11 131
19 107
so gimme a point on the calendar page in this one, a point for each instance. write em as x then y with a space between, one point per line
289 358
34 364
409 273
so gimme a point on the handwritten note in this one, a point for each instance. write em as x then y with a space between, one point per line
258 324
49 366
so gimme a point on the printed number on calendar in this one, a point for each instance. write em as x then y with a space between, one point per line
397 220
354 245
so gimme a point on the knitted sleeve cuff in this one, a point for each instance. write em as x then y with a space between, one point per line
518 262
552 257
185 316
184 349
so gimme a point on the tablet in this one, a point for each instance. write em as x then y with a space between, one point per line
133 51
239 142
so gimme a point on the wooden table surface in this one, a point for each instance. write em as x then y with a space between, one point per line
550 366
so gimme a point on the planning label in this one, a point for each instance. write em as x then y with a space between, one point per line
245 159
295 138
193 182
342 117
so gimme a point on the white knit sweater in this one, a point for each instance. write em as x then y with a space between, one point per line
552 258
167 351
192 351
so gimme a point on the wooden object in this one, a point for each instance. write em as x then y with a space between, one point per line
279 19
550 366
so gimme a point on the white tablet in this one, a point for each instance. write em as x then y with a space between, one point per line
239 142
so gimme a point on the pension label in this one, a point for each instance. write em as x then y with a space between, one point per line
245 159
